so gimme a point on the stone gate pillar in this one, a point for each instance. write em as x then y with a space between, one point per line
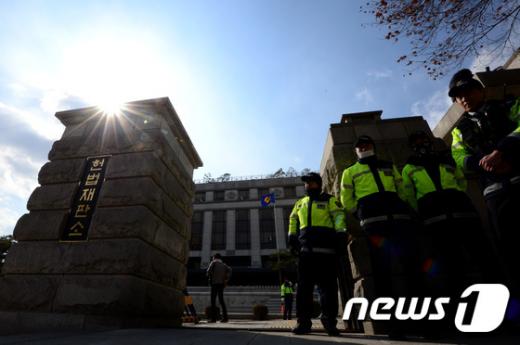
107 249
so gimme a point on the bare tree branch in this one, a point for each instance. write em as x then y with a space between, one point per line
443 33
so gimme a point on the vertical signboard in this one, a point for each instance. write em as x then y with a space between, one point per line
84 203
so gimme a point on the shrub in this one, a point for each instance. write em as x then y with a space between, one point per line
260 312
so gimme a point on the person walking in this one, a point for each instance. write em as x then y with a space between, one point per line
317 233
287 292
218 274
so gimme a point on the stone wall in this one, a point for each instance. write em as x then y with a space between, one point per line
131 269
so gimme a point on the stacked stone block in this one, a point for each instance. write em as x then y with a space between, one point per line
131 270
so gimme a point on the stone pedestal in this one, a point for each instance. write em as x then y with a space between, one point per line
131 269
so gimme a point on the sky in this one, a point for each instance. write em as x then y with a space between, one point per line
256 83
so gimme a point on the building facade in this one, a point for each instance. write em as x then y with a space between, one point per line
229 219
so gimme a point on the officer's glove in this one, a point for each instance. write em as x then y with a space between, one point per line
294 245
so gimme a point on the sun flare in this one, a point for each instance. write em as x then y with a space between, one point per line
111 108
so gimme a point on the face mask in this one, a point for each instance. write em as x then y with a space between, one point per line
364 154
313 193
423 149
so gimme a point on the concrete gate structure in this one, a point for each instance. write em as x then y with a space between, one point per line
100 251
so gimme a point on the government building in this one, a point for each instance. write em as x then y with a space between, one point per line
228 219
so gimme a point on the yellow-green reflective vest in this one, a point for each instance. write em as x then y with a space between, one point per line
417 183
357 182
286 290
324 214
461 151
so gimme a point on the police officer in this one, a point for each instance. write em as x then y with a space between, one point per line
287 293
487 141
371 189
435 186
317 232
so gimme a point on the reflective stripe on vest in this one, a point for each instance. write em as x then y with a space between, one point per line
452 215
370 220
318 250
500 185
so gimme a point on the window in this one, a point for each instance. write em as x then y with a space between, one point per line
289 192
193 264
242 229
218 195
278 192
200 197
238 261
218 231
262 191
243 194
267 262
267 231
196 231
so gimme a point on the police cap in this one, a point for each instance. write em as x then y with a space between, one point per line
312 176
363 139
463 79
412 139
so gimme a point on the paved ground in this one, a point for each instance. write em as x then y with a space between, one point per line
236 332
201 335
250 325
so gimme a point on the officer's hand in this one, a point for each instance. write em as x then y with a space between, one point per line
491 161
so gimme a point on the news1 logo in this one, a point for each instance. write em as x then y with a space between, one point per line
481 308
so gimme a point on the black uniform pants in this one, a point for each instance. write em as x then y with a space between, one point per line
287 306
457 254
503 211
218 290
317 269
392 247
393 250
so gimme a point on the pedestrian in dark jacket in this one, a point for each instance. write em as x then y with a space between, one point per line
218 274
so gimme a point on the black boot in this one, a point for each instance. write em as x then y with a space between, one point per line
302 328
330 327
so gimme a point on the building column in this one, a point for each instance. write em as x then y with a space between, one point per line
256 260
280 229
230 230
206 239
